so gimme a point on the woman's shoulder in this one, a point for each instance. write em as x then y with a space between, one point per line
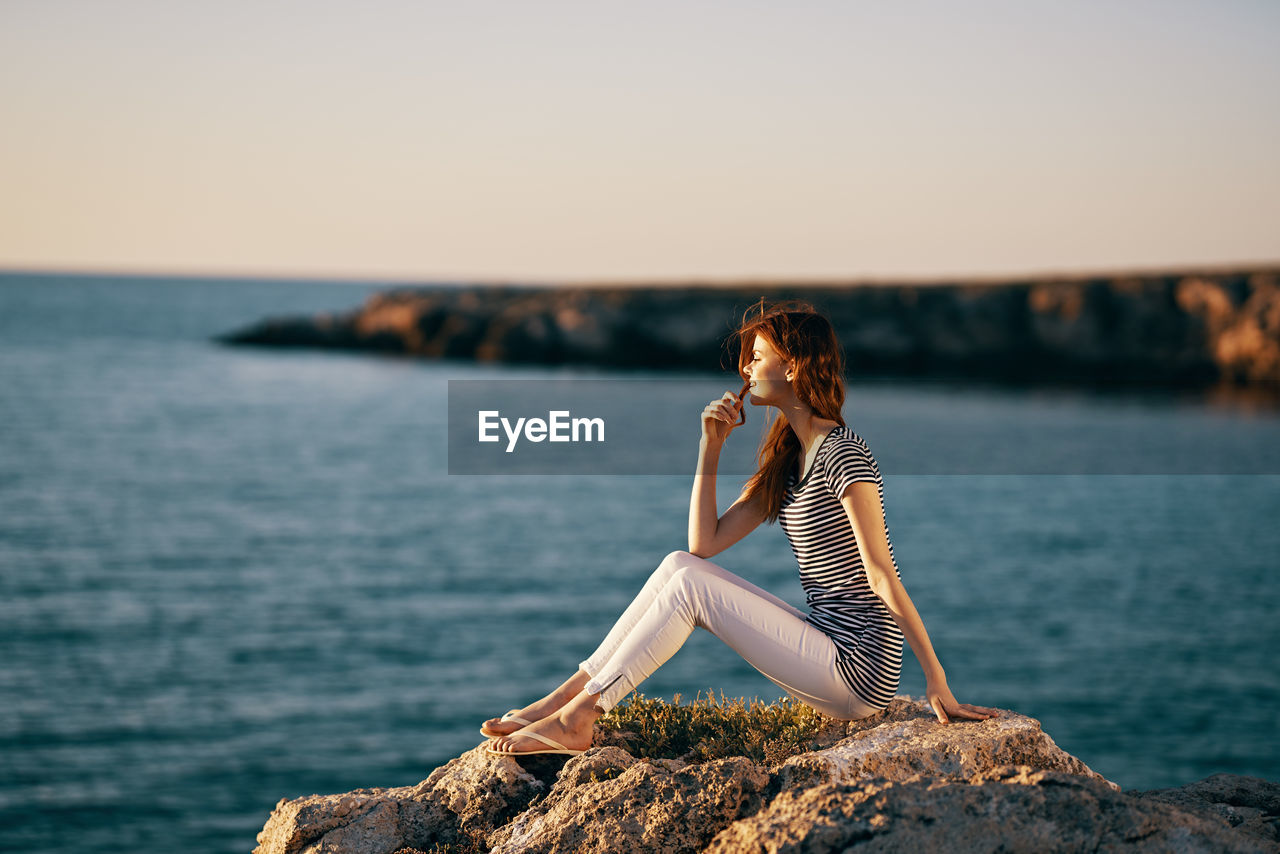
846 444
842 436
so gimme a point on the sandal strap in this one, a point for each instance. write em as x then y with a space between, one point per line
549 742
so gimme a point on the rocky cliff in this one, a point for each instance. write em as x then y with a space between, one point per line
898 781
1183 329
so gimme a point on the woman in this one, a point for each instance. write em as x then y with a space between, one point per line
819 479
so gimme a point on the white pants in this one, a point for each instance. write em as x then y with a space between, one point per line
687 591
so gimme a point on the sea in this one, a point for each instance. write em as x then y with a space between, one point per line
231 574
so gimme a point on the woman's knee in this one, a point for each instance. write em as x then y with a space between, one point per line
687 571
671 564
679 558
689 566
676 561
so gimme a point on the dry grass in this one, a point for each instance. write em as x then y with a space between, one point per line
711 728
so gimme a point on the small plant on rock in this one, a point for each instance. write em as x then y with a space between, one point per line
711 728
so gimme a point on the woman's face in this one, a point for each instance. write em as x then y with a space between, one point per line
767 373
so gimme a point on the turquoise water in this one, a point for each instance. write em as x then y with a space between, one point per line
231 575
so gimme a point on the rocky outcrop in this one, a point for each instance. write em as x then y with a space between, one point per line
899 781
1189 329
1013 809
460 801
1246 803
906 741
649 806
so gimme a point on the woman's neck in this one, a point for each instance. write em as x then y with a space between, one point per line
809 428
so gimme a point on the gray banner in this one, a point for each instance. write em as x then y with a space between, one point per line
652 426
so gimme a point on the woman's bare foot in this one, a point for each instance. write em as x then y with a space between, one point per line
573 726
536 711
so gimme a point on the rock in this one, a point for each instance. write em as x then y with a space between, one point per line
906 741
896 781
1248 804
651 806
1029 810
460 800
1194 329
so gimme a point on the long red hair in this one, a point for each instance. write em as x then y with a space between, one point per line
805 338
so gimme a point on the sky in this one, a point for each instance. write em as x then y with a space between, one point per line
598 141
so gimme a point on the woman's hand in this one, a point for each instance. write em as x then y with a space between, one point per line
720 417
946 707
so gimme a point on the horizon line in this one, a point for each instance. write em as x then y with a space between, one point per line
810 280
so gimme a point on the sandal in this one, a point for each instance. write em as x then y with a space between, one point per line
556 746
509 716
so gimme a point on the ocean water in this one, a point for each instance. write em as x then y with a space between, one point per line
232 575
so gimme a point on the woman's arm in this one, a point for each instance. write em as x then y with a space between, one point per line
861 502
708 535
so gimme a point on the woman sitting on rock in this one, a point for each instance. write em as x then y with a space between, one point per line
819 479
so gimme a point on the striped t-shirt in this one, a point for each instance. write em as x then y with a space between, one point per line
840 600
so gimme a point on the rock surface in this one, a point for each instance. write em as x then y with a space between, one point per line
1193 329
906 741
1246 803
1009 809
654 806
898 781
460 800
